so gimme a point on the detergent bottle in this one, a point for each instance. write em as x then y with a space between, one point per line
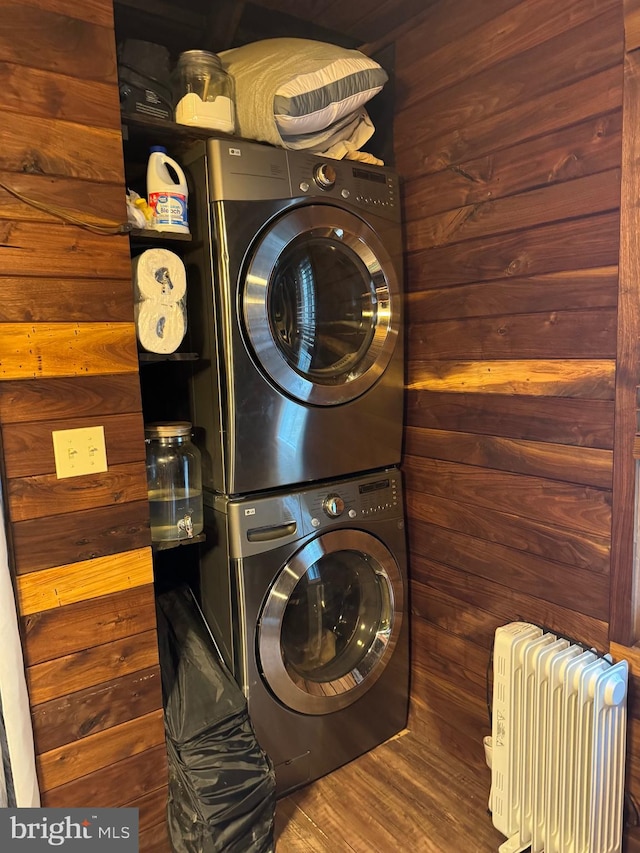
167 192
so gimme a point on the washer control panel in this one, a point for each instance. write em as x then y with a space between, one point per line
261 522
374 496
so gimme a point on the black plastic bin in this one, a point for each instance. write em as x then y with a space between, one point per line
221 783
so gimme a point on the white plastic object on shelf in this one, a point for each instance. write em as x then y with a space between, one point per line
167 192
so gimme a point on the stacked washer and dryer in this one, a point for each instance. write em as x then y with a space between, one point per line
295 304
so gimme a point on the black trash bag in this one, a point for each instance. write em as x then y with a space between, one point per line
144 79
221 783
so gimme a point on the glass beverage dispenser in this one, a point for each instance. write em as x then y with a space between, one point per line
174 482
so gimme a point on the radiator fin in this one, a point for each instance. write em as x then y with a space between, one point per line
558 744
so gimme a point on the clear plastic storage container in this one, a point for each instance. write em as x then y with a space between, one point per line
203 92
174 481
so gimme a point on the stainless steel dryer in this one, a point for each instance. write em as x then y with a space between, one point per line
306 595
295 304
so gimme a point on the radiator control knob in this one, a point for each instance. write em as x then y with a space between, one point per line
615 690
333 505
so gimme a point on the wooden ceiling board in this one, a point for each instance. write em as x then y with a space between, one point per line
219 24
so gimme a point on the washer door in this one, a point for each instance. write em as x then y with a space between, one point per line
321 305
331 621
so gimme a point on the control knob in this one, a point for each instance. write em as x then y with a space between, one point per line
324 175
333 505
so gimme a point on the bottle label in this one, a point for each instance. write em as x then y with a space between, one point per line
168 208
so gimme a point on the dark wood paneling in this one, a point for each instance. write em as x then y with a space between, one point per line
67 630
440 24
553 64
533 537
81 396
115 785
29 447
91 666
506 604
28 249
632 24
443 611
39 543
555 334
576 589
92 11
27 197
562 291
625 618
78 758
45 495
572 104
584 196
534 28
573 152
31 300
590 467
95 709
34 91
562 420
450 657
580 508
92 154
64 44
546 249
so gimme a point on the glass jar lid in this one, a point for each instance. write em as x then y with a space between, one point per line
200 57
167 429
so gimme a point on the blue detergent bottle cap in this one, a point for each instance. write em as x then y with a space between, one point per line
158 148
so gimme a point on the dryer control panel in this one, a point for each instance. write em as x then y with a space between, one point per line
367 187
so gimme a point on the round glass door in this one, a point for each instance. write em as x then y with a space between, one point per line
321 305
331 621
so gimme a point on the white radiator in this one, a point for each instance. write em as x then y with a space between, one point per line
557 748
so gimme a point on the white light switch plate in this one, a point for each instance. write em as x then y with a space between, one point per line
79 451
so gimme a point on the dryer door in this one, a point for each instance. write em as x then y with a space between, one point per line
321 304
331 621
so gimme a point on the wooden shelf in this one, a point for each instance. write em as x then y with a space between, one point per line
168 544
154 236
155 358
162 129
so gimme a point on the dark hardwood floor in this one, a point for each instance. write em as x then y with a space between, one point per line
424 791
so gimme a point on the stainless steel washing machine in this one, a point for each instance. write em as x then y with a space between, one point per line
306 595
295 303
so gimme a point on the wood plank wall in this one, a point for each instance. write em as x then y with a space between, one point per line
508 135
80 546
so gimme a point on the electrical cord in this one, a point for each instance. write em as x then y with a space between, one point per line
66 216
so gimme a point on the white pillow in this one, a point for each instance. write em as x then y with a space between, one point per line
313 101
308 85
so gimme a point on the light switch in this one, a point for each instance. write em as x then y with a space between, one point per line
79 451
